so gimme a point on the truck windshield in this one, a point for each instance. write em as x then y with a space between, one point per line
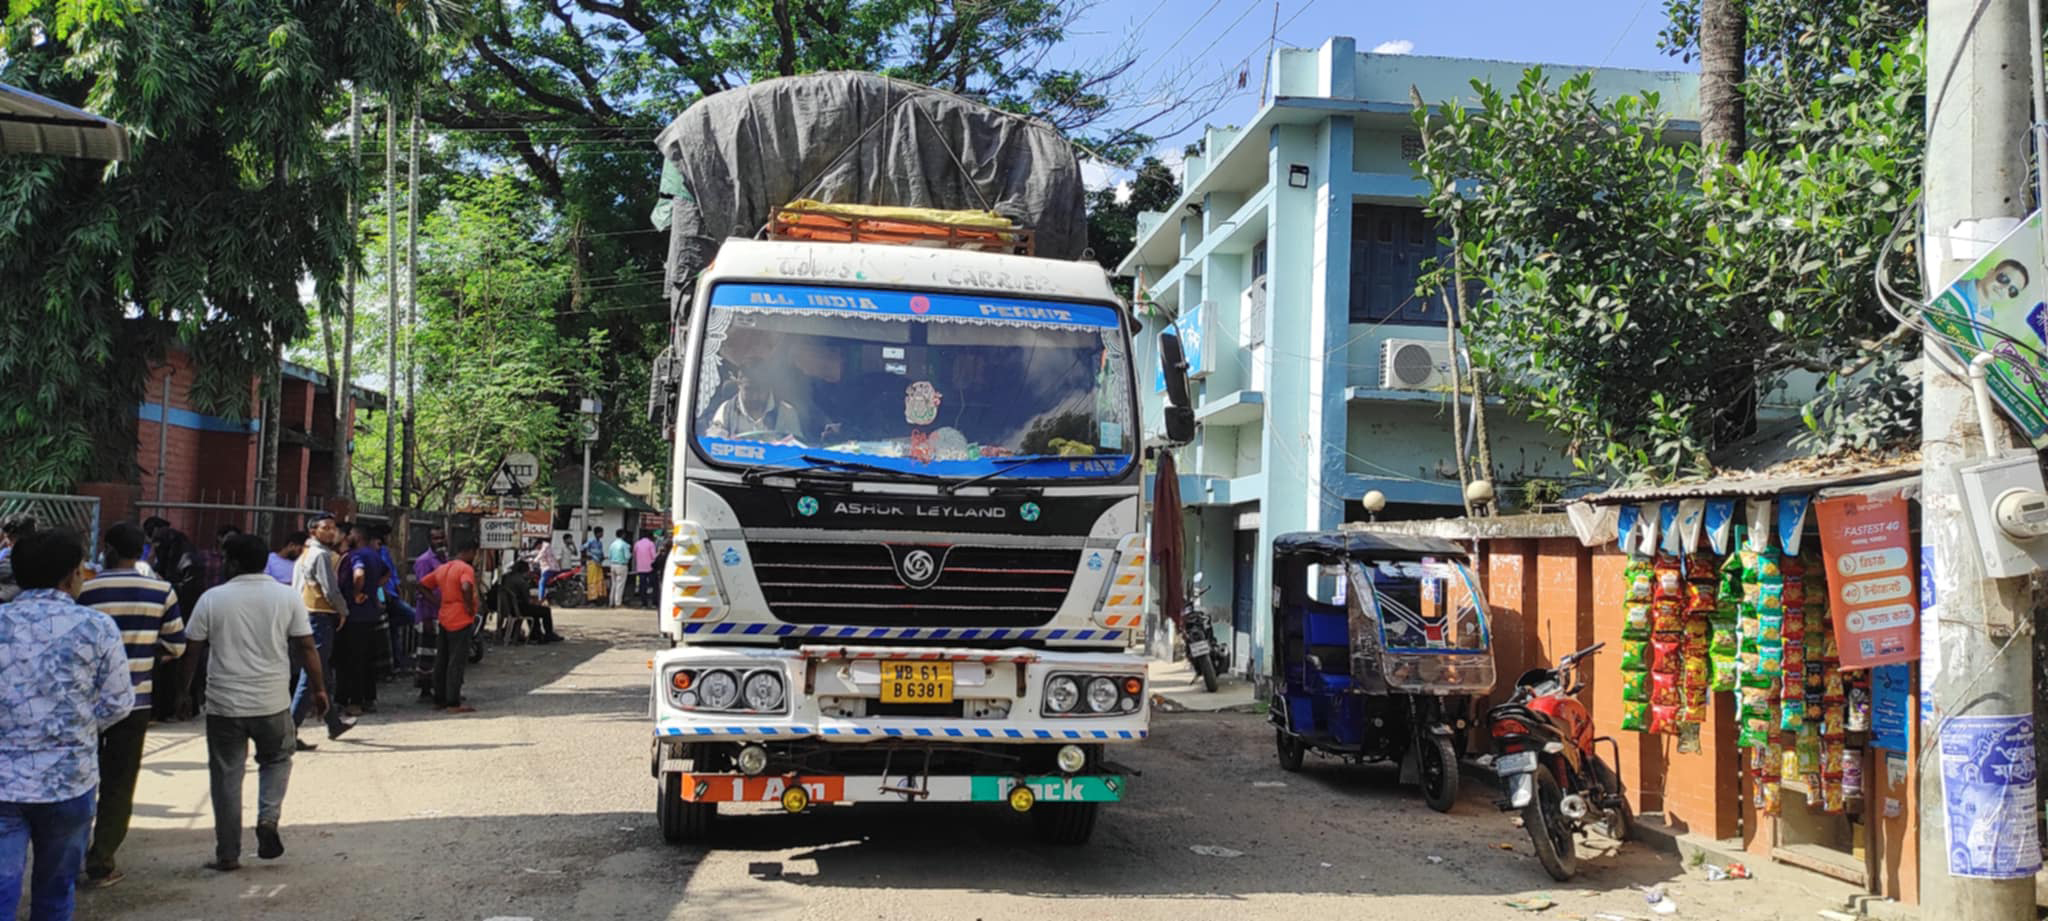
956 385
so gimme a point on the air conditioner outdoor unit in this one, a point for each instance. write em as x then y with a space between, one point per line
1414 364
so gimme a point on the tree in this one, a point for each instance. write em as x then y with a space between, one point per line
1113 223
234 194
1632 297
1722 30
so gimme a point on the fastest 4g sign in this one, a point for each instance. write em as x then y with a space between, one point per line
1865 543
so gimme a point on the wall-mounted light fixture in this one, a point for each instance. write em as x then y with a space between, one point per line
1297 175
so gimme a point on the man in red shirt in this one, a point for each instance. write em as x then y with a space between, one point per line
455 583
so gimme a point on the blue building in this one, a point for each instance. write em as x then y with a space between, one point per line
1290 261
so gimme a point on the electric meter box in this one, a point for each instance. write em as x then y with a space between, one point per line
2008 510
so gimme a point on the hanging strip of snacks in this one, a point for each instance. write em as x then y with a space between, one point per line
1639 589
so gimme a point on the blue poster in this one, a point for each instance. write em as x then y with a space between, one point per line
1987 786
1891 706
1792 522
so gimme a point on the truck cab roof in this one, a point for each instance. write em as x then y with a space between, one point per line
919 267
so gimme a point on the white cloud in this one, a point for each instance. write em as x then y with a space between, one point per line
1396 46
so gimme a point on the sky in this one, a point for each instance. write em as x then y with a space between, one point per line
1217 38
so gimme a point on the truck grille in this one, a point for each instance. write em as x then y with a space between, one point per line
857 584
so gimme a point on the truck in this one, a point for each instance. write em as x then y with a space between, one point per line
907 560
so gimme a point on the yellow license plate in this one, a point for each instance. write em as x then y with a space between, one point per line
917 682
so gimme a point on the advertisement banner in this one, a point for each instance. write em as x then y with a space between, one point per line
1867 549
540 524
1987 796
1189 328
1891 706
1997 306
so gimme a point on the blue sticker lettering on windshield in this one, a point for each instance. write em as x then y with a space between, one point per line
988 309
731 557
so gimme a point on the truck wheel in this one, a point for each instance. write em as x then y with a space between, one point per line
682 822
1065 824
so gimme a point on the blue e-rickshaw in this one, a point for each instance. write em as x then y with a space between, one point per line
1381 649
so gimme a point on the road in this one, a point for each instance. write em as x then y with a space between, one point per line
540 807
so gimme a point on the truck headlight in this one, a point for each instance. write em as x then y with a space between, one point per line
1061 694
1102 694
718 689
763 691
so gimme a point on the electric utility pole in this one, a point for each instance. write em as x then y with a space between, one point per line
1976 188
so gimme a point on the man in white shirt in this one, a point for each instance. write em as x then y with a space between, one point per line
250 629
754 413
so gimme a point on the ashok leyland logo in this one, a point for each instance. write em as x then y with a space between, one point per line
1029 511
918 567
807 506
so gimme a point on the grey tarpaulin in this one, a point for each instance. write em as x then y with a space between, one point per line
858 138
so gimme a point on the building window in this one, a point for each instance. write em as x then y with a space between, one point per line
1411 147
1388 247
1259 259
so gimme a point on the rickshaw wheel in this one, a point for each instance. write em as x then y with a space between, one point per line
1290 750
1439 768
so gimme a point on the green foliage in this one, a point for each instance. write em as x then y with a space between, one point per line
233 196
496 372
1113 225
1636 294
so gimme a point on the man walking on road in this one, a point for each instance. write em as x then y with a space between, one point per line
254 628
63 680
617 556
145 611
455 582
643 569
316 579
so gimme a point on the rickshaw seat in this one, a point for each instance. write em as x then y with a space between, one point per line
1325 625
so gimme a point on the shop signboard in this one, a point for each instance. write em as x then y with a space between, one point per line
540 524
1987 796
1867 548
1997 306
1189 328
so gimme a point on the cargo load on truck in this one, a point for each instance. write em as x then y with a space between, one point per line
734 159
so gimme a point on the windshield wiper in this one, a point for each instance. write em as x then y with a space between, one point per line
954 486
755 474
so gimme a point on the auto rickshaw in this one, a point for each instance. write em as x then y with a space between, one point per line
1381 650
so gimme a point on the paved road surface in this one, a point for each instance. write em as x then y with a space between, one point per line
540 807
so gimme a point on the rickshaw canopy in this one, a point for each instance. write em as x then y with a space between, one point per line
1333 545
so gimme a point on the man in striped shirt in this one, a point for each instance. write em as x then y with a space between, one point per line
145 610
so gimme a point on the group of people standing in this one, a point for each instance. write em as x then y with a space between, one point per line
89 655
629 565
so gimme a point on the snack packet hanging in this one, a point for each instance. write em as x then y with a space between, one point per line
1832 752
1639 581
1756 703
1772 803
1832 688
1635 655
1724 640
1699 596
1665 655
1833 725
1635 621
1635 716
1664 720
1833 799
1770 661
1635 687
1770 600
1807 746
1696 674
1770 626
1767 568
1664 690
1696 709
1670 580
1859 709
1724 672
1792 714
1667 617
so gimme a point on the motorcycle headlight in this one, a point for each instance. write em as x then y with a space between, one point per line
718 689
1061 694
763 691
1101 694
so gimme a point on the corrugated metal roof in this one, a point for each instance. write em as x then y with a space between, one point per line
35 124
1757 485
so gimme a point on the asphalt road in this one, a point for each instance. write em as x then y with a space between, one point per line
540 807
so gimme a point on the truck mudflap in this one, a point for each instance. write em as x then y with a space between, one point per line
797 792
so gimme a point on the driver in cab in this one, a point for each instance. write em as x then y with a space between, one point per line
754 412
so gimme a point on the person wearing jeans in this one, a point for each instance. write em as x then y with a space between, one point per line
253 627
316 577
63 680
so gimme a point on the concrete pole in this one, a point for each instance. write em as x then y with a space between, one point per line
412 302
344 391
583 531
1975 176
391 318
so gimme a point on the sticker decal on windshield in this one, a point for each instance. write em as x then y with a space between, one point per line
921 403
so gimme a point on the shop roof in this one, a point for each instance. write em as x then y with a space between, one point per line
1799 477
40 125
604 494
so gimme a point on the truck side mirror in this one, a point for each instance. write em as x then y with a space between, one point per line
1179 411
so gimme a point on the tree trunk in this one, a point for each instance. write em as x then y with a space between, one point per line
344 394
1723 51
391 318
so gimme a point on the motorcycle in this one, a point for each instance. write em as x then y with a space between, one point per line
1198 639
564 588
1543 751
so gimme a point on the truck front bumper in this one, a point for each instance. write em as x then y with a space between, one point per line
796 791
833 694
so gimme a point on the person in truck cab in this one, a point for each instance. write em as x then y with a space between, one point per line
754 412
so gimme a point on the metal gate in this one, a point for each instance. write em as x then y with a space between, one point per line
78 513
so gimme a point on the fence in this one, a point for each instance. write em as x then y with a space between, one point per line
78 513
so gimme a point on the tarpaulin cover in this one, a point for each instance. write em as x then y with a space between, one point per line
858 138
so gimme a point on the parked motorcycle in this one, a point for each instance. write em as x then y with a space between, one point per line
1543 750
1198 639
564 588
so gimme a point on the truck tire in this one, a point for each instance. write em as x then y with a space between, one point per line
1065 824
681 822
